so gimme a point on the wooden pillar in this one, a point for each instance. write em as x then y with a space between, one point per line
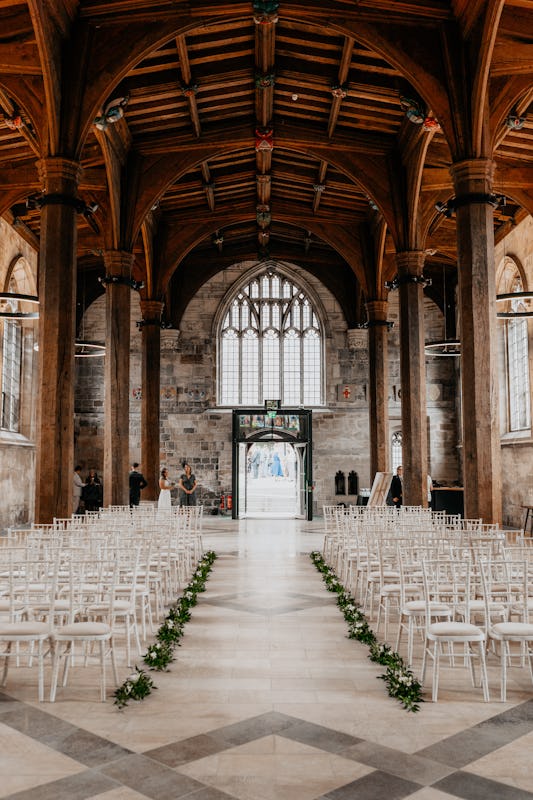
151 374
413 378
378 400
57 295
477 301
117 377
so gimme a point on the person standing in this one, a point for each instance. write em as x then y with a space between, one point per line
187 486
92 492
77 489
396 488
137 482
165 486
430 489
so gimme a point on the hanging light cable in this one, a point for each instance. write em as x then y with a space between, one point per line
444 347
83 347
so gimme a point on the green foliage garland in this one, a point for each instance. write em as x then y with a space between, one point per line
161 653
136 687
401 683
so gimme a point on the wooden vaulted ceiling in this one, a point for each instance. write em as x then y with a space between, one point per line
266 130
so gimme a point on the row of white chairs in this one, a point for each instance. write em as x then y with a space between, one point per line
383 557
90 580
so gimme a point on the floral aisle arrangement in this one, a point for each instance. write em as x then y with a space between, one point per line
161 653
401 683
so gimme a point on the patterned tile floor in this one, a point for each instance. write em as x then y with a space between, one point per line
267 700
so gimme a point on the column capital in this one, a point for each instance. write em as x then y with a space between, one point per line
377 309
170 339
118 263
473 175
357 338
150 308
151 311
58 169
410 262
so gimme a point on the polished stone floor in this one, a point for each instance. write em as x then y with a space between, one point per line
267 700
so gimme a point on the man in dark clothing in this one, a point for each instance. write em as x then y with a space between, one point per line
137 482
396 488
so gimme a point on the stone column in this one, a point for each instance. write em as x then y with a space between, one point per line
151 374
117 377
477 299
378 390
413 378
57 322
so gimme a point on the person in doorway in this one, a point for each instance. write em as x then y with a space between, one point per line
396 488
165 500
255 461
275 469
137 483
187 486
77 489
92 493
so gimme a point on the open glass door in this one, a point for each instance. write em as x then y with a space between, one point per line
301 480
242 479
272 464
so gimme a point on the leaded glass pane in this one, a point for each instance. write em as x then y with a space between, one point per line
291 368
262 349
311 370
271 375
518 366
396 448
11 364
250 369
230 368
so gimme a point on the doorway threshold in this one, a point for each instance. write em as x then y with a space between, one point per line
268 515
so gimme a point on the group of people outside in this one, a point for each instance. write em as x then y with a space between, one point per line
88 494
262 463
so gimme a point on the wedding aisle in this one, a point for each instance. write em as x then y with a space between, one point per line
267 700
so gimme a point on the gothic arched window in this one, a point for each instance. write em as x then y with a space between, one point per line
270 341
396 450
518 364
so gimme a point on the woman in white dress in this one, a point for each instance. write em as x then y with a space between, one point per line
164 495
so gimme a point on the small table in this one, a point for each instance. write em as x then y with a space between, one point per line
529 518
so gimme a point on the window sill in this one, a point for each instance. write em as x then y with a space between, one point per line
516 439
11 438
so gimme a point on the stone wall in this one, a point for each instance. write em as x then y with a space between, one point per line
194 428
18 270
517 448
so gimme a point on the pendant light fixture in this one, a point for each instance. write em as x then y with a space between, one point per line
444 347
84 348
9 305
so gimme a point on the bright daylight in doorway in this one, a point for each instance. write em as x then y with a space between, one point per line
271 480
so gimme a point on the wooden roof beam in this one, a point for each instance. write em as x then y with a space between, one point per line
320 185
188 86
338 91
265 44
10 111
209 185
